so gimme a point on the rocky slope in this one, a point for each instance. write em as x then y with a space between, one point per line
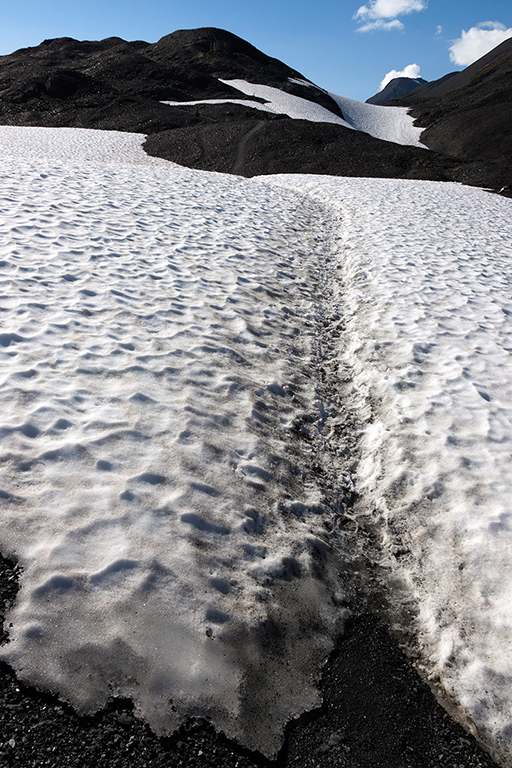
119 85
468 115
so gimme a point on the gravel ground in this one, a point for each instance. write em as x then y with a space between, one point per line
376 714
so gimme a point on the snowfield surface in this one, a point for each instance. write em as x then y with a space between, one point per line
276 101
158 347
426 361
70 145
388 123
286 104
171 460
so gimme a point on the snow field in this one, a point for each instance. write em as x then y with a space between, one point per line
158 352
287 104
426 362
162 414
387 123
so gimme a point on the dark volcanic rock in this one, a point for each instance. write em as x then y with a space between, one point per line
240 60
87 75
253 145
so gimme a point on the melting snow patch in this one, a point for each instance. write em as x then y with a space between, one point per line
387 123
158 359
426 360
286 104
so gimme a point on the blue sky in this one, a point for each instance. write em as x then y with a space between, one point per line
343 46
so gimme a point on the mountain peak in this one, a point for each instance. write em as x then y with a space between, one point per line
399 86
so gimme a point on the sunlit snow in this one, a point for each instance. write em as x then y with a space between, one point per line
387 123
163 407
158 352
274 100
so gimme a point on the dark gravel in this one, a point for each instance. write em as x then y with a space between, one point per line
252 145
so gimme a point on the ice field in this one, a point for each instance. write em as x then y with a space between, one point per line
173 452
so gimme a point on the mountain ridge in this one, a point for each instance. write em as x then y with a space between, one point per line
468 115
118 85
396 88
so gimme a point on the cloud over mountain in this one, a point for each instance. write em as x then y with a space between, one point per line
477 41
411 70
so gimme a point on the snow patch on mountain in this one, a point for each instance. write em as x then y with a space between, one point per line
387 123
393 125
390 124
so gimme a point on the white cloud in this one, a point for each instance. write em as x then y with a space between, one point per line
439 30
380 24
478 41
389 9
411 70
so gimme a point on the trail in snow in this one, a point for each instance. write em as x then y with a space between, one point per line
164 428
426 355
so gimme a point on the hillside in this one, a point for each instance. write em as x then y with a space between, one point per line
397 88
117 85
468 115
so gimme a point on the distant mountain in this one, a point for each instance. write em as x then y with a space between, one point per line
399 86
117 85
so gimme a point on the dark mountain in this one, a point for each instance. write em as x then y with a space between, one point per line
114 84
396 88
468 115
117 85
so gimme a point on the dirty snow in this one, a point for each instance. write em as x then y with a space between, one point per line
426 361
162 411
